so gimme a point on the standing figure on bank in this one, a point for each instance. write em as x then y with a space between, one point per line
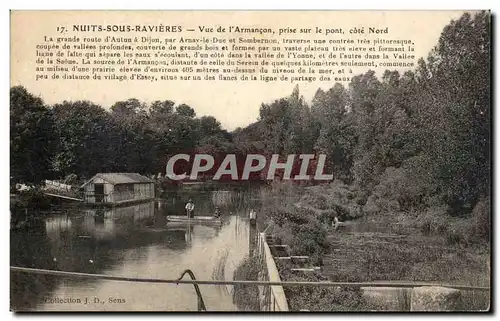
190 208
253 217
217 212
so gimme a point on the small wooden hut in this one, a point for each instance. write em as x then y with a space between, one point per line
118 188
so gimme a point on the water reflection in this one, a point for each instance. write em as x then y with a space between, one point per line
133 241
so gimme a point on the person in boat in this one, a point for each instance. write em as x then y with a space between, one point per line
217 212
190 208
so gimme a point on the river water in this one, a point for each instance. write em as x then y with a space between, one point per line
133 241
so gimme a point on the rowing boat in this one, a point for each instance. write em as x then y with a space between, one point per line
196 219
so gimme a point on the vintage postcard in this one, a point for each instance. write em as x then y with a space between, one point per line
267 161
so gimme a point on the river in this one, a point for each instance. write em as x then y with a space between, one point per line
134 241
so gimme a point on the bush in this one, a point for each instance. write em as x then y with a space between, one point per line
327 217
308 239
361 199
71 179
399 190
302 230
433 221
315 200
282 215
474 229
320 202
465 230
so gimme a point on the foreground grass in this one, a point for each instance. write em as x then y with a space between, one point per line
246 297
315 298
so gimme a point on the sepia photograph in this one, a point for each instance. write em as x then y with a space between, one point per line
250 161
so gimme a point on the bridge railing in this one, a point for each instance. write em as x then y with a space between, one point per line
272 298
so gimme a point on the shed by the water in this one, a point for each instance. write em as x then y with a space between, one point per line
118 188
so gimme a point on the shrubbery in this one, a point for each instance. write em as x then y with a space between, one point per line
302 231
282 216
466 230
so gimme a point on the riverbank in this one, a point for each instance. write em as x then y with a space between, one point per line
383 242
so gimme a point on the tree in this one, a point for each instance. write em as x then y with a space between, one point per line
161 108
185 110
128 108
86 142
457 79
337 136
209 126
287 125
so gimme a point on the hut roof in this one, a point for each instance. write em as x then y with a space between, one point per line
121 178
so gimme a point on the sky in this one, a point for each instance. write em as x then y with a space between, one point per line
234 104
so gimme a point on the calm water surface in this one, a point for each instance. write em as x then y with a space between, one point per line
133 241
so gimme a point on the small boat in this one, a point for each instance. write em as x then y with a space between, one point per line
339 224
165 229
196 219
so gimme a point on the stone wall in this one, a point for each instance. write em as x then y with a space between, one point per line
425 298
